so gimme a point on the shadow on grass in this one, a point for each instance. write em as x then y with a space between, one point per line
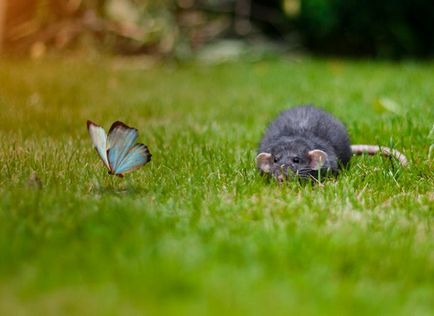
118 187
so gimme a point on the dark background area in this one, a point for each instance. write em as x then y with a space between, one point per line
380 29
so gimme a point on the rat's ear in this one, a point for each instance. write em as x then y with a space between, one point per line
264 162
317 158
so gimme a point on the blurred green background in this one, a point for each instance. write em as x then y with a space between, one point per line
198 231
181 28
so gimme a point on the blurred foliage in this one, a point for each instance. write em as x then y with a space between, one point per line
166 27
126 26
389 28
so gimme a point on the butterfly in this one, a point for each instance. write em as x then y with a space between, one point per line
118 150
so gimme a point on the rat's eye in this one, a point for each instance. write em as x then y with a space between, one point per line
295 160
275 159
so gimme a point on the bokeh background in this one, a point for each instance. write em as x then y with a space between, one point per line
183 29
198 231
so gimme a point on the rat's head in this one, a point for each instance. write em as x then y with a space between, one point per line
294 159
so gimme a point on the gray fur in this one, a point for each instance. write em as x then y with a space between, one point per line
296 132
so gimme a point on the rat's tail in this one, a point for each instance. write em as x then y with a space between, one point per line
374 149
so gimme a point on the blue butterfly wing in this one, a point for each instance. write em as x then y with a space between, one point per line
121 138
136 157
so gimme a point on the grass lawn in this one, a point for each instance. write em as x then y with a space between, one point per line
198 230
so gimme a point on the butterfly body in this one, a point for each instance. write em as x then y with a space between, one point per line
118 150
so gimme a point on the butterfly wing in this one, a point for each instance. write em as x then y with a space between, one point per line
99 140
121 138
136 157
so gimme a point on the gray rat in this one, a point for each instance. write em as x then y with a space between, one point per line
308 142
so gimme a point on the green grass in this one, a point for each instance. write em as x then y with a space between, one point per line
198 230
